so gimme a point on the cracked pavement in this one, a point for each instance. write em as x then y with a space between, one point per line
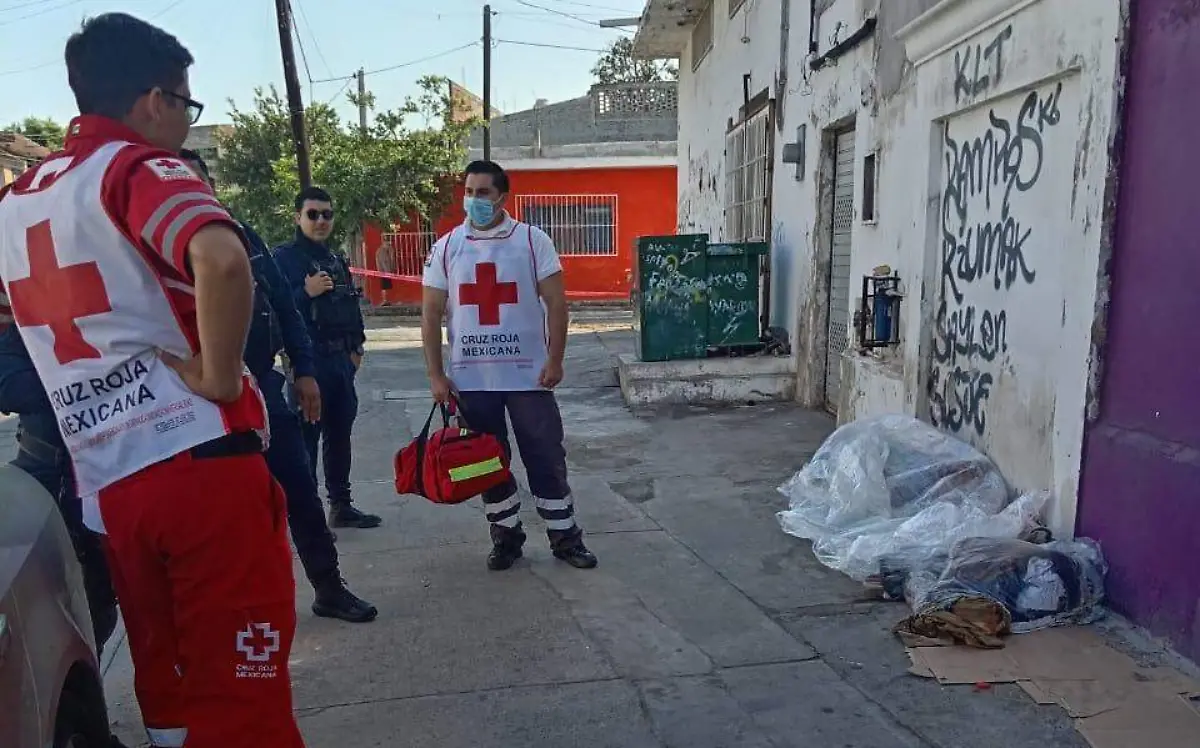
705 625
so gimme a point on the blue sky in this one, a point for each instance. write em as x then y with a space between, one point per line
236 46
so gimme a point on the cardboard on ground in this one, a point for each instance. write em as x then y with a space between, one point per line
1115 702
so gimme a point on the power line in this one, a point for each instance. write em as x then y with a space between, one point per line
410 63
577 3
37 13
300 43
340 90
313 34
565 14
550 46
30 4
52 63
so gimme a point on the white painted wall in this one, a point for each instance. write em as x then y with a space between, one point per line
1023 166
1014 379
709 97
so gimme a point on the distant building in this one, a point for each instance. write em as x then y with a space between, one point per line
594 172
18 153
205 140
465 106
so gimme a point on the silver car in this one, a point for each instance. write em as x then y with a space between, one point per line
51 690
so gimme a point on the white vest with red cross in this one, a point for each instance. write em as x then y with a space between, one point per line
497 323
93 313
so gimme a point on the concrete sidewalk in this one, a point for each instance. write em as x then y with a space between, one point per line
705 625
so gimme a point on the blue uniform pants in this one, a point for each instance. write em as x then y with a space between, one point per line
287 458
339 408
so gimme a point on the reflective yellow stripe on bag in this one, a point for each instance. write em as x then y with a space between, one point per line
467 472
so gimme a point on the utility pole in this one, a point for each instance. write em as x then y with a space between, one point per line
487 82
362 100
292 80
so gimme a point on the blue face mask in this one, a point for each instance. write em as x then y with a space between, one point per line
480 210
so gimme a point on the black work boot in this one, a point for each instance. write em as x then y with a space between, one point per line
345 515
570 548
506 547
335 601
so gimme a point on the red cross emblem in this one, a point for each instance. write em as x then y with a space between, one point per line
258 641
55 297
487 294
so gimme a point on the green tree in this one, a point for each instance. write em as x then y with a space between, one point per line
41 130
405 162
618 65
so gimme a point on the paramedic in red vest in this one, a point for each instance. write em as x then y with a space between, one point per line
500 285
132 291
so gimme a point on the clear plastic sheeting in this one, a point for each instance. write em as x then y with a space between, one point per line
894 488
1039 585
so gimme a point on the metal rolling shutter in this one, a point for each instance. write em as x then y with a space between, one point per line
839 267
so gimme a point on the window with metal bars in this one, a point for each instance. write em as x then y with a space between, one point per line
747 149
404 252
580 225
702 36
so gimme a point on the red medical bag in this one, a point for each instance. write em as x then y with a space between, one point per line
451 465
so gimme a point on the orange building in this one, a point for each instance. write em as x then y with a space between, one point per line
595 173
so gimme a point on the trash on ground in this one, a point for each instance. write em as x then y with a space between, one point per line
896 490
1115 702
991 587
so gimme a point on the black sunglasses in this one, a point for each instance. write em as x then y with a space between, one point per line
313 214
194 108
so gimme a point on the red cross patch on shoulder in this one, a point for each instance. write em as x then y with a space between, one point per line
171 169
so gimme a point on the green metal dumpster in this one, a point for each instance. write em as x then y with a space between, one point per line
693 297
732 280
671 310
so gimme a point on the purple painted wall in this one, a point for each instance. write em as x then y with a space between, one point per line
1140 493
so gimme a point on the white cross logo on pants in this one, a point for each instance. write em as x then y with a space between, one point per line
258 642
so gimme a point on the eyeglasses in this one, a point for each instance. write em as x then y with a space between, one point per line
313 214
194 108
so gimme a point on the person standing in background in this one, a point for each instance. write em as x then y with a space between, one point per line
276 326
501 282
132 290
319 280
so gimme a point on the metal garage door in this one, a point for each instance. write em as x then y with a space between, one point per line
839 267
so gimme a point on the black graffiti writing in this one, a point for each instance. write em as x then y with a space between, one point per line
959 401
1005 158
979 67
984 241
968 333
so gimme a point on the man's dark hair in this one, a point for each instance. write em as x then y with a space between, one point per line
495 170
115 59
312 193
187 154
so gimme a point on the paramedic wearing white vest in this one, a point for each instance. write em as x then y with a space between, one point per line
131 289
499 284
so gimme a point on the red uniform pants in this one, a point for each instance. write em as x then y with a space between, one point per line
203 573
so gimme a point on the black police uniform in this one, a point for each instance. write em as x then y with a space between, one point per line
335 324
42 453
276 327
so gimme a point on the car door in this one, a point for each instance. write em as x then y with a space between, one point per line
20 715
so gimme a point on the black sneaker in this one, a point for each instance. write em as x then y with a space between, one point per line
577 555
345 515
335 601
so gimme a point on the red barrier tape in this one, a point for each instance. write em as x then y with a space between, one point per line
416 279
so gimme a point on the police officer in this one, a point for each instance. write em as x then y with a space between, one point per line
42 454
329 302
276 326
